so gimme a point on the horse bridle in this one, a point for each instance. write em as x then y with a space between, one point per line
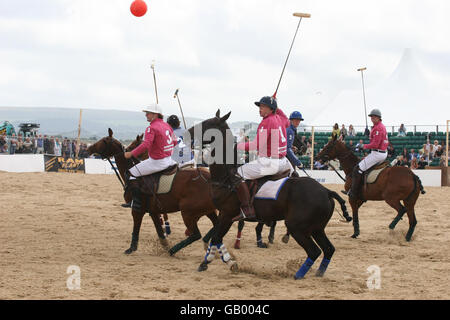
349 153
108 147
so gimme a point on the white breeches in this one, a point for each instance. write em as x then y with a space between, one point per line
262 167
150 166
372 159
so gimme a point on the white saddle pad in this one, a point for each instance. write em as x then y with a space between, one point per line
372 177
165 184
270 189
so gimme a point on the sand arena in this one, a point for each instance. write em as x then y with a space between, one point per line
50 221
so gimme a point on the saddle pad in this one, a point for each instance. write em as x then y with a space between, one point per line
373 175
270 189
165 184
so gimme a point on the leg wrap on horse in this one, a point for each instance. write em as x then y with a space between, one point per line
167 225
210 253
304 269
224 254
323 267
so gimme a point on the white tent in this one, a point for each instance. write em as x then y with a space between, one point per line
405 97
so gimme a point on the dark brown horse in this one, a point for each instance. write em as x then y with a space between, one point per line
304 204
190 194
394 184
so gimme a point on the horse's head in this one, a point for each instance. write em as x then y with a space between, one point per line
133 145
218 123
106 147
331 150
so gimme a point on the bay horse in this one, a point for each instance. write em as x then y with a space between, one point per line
394 184
237 245
189 194
127 196
304 204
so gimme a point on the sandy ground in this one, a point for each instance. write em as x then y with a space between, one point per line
50 221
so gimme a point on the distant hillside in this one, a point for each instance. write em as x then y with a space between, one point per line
95 123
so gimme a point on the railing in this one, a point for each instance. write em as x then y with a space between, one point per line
391 129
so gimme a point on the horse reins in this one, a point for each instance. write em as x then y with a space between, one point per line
110 162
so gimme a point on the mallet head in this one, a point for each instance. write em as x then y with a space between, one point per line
362 69
176 93
302 15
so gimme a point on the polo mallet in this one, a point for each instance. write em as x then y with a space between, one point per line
181 109
366 132
300 15
154 80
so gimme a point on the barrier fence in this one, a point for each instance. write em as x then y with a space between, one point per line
41 163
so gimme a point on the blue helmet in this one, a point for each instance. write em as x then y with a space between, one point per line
296 115
271 102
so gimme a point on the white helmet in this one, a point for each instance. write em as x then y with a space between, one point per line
155 108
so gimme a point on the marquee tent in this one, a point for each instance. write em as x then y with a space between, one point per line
405 97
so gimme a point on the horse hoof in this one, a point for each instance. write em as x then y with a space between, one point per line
349 219
285 239
319 273
237 245
298 278
234 267
129 251
271 240
202 267
164 242
355 236
262 245
172 252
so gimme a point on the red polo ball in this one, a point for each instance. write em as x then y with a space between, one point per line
138 8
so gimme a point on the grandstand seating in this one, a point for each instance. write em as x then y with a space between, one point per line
411 141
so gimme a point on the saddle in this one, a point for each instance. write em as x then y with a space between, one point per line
150 184
371 175
255 185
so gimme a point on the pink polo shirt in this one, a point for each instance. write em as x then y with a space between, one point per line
270 139
378 138
159 141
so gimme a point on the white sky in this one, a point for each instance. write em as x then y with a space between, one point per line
227 54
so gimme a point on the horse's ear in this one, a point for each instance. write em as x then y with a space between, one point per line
110 132
218 113
225 117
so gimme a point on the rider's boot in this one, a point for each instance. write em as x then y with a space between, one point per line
247 210
127 193
356 181
136 203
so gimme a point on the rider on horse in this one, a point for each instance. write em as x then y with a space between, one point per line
295 119
271 144
378 144
182 152
159 141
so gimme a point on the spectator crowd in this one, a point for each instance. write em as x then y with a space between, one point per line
49 145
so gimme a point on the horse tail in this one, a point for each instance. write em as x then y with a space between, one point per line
334 195
417 181
422 191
